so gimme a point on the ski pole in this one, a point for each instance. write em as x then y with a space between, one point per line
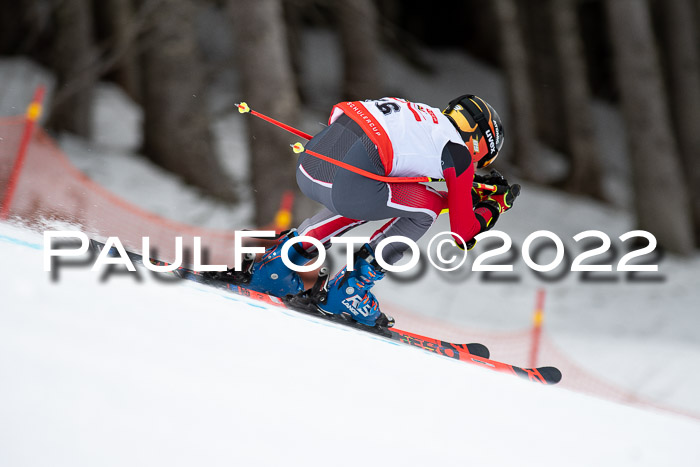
243 108
298 148
485 187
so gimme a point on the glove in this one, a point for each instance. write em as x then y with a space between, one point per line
470 244
488 210
501 201
494 178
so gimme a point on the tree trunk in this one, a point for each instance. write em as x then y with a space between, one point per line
267 84
293 20
537 31
661 201
116 18
73 58
515 63
176 125
359 37
581 143
13 27
597 49
683 55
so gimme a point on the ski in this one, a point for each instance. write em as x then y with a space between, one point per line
473 353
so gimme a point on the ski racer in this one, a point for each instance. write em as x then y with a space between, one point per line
399 138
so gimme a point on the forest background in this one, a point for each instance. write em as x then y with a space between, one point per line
557 57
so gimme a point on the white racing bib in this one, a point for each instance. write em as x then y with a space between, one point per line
410 136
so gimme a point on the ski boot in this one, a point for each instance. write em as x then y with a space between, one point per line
271 276
349 292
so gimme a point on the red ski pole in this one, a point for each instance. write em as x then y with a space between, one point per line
243 108
298 148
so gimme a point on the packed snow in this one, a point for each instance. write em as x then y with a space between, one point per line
144 373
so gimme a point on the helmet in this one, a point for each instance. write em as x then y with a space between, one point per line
479 125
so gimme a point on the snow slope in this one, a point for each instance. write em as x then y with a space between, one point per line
145 373
643 337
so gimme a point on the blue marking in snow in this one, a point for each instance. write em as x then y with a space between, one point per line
234 299
290 313
17 241
253 304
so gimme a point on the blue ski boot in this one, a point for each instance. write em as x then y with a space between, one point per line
270 275
349 291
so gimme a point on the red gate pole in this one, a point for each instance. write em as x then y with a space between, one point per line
32 115
537 319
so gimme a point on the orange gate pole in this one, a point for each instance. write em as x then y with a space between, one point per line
283 218
32 115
